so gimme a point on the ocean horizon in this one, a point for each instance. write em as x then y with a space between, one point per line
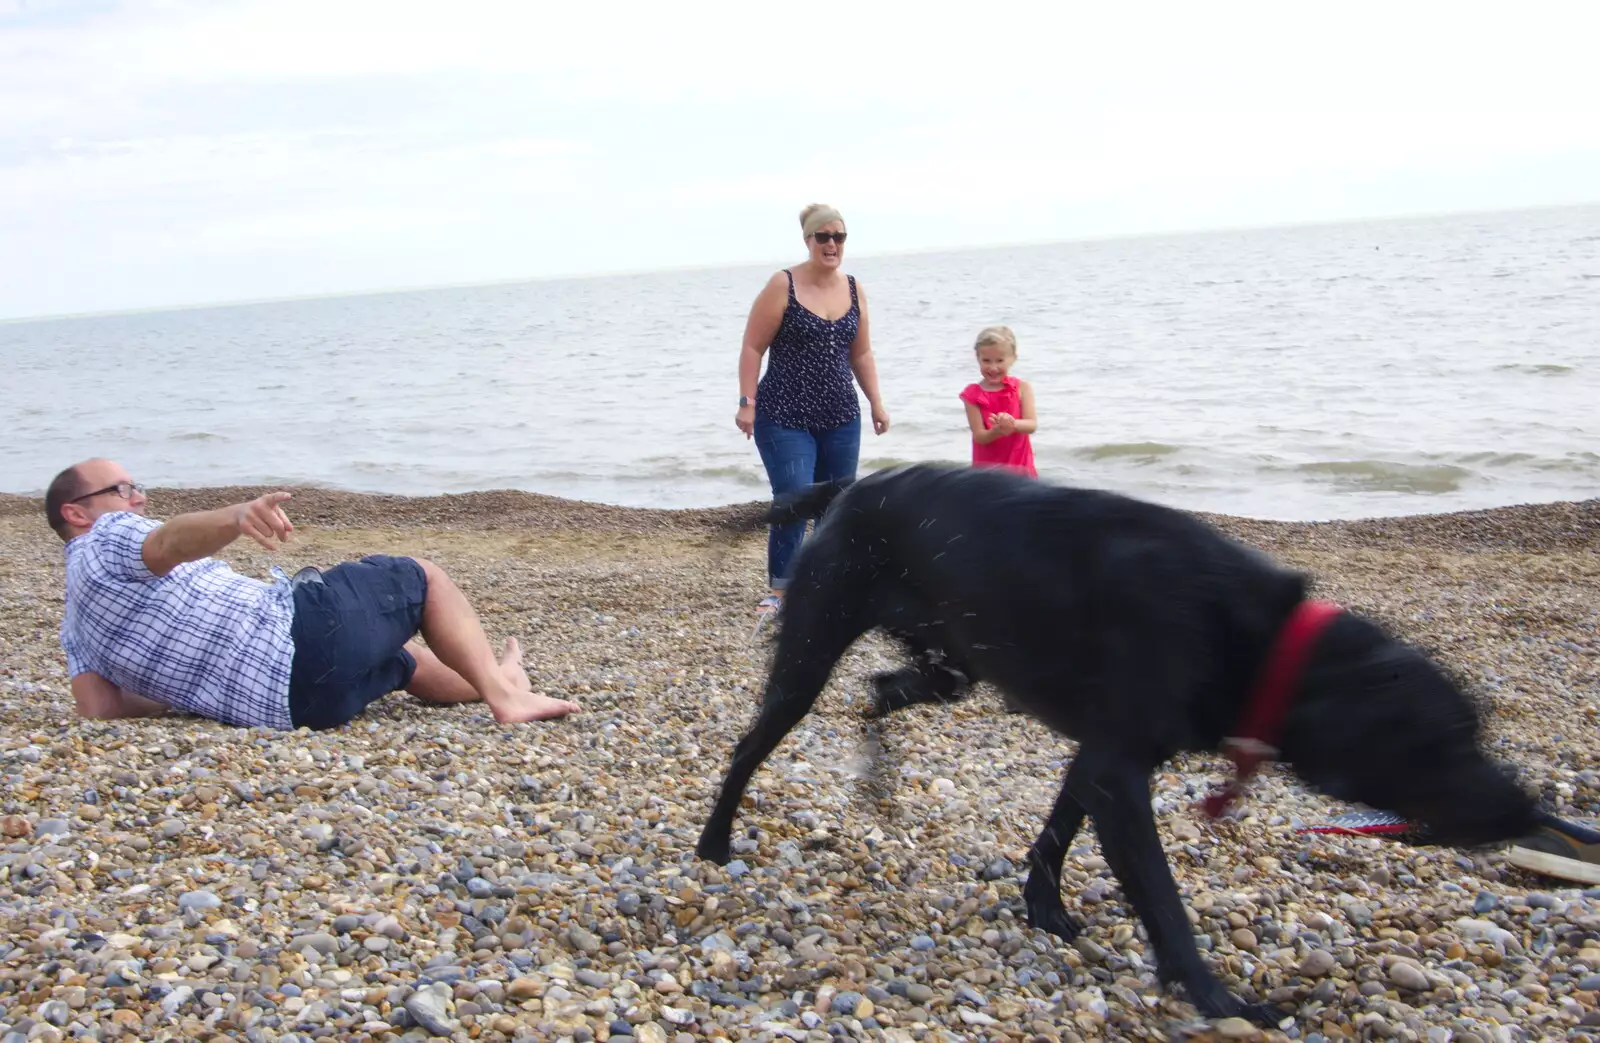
1391 366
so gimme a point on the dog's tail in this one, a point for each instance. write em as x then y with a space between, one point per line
806 504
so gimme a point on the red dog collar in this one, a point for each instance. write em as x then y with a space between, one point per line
1262 726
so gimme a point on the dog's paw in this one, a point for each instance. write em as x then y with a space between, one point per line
889 693
1263 1014
713 850
1215 1002
1054 920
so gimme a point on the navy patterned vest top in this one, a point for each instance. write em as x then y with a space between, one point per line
808 383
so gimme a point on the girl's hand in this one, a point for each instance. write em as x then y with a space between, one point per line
1005 423
745 420
880 419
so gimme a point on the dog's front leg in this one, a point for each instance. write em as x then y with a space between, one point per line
825 614
1042 893
1115 790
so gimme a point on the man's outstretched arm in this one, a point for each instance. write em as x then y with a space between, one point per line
99 699
190 537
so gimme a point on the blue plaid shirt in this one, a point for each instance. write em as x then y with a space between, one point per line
202 638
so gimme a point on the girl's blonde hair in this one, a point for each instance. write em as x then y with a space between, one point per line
816 215
1001 335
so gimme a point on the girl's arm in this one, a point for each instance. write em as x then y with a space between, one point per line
980 434
865 366
1028 422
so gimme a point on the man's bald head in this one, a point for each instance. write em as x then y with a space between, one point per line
68 505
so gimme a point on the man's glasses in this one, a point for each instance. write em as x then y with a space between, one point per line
828 237
122 489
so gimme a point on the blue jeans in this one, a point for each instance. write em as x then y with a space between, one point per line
795 458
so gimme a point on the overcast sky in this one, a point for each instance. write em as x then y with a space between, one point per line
164 153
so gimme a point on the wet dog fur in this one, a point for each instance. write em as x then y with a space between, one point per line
1136 630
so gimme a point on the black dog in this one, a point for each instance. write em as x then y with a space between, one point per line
1140 632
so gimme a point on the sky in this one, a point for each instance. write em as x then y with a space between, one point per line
173 152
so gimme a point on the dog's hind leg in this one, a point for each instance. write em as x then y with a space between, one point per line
1042 893
1114 789
927 680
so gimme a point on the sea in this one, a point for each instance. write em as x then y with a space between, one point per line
1310 372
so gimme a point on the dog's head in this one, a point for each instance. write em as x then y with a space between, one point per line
1377 723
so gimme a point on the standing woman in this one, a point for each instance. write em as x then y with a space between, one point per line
804 414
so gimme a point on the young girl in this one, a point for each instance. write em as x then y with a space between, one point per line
1000 407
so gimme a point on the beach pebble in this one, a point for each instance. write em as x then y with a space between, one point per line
1408 976
422 864
998 869
199 900
1317 963
427 1007
583 940
1090 949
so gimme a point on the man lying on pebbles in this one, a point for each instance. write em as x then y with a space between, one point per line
153 623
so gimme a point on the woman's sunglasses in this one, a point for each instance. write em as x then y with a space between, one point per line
829 237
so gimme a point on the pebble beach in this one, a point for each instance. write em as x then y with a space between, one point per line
425 873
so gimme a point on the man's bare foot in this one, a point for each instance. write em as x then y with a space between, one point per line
519 706
521 703
511 666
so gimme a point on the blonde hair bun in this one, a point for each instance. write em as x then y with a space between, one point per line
816 215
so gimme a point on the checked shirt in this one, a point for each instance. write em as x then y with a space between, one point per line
202 639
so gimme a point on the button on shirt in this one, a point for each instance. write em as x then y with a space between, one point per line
201 639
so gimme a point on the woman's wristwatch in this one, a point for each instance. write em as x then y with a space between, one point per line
746 400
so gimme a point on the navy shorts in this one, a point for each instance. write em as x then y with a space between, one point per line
350 630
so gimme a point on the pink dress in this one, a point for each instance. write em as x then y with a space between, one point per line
1013 451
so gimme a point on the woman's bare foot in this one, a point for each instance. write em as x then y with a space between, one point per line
520 702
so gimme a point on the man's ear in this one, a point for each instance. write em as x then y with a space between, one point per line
74 515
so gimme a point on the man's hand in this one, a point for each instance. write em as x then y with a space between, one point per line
190 537
263 520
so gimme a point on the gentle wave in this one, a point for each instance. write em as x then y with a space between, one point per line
1390 477
658 467
1114 450
1542 369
